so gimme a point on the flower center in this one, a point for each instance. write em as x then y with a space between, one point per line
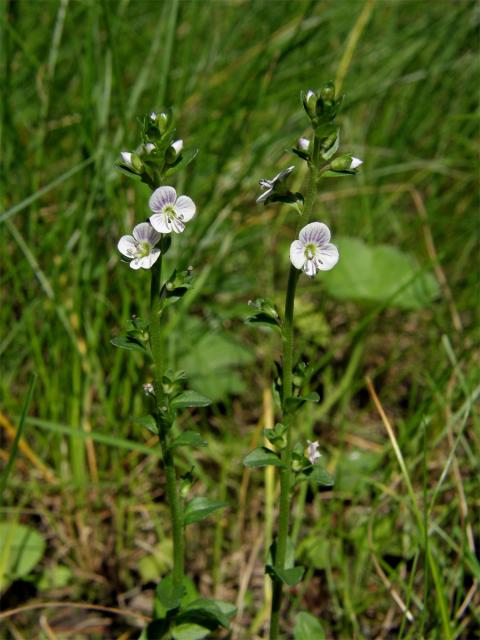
169 211
143 249
310 251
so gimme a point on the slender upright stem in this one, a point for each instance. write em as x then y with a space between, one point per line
285 471
174 500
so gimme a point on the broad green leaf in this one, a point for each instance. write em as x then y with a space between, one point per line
148 422
307 627
290 577
379 274
205 613
263 319
128 343
21 549
168 594
199 508
262 457
213 361
189 631
321 476
188 439
189 399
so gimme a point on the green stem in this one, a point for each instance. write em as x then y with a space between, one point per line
285 471
174 500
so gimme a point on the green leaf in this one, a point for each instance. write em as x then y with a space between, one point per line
168 594
213 361
155 630
295 403
379 274
185 159
321 476
188 439
205 613
199 508
262 457
263 319
148 422
307 627
189 399
290 577
21 549
129 343
189 631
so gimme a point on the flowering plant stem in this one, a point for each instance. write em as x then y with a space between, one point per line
174 500
286 471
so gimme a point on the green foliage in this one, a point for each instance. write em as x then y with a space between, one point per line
200 508
262 457
307 627
21 549
379 274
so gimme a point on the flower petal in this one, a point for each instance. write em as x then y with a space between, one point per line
280 177
310 268
160 223
326 257
148 261
185 208
265 195
177 225
316 233
297 254
126 157
135 264
160 197
144 232
127 246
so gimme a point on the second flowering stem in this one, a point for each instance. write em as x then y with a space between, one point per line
174 500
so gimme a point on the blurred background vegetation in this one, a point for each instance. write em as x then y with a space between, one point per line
391 550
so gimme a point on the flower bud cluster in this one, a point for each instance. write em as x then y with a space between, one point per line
160 153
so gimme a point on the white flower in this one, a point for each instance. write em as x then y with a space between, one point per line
169 212
153 116
149 147
127 157
148 389
312 252
177 146
140 246
313 453
303 144
356 162
270 185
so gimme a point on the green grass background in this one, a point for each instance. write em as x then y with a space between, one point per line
74 78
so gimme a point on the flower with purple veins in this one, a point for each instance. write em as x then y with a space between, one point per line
312 252
140 246
169 212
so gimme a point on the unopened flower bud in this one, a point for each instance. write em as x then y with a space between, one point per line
327 92
174 150
149 147
136 163
126 158
303 144
310 103
345 163
153 116
163 121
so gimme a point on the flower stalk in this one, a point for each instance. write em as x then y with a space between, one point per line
174 500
